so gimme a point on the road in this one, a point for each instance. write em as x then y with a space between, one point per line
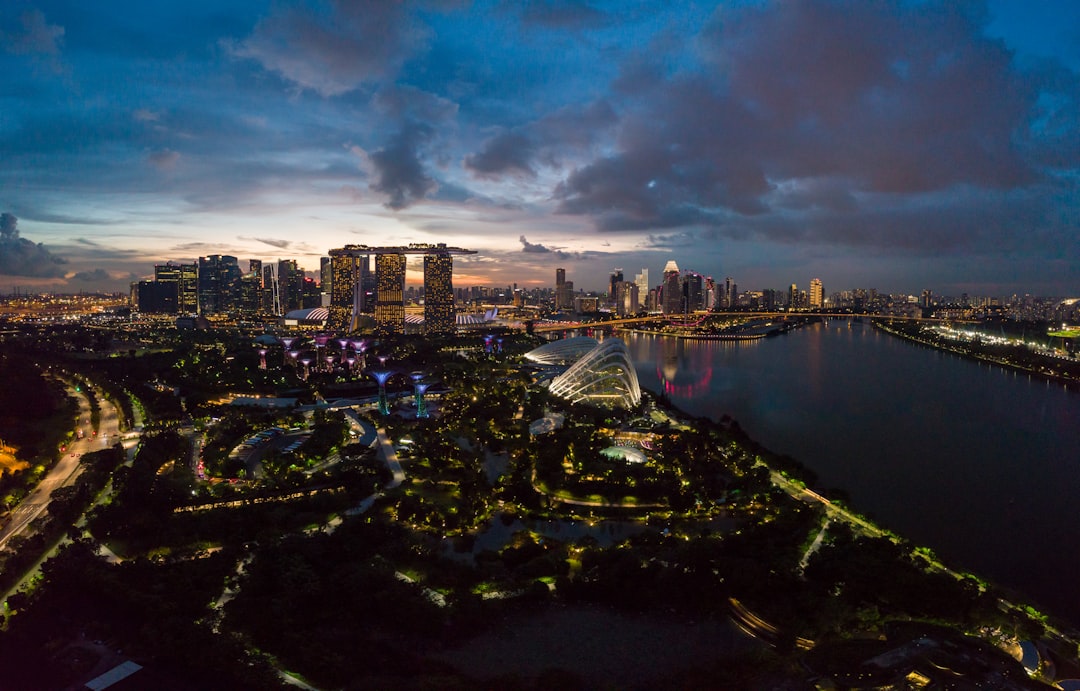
67 469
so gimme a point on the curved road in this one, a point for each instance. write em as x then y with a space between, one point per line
68 467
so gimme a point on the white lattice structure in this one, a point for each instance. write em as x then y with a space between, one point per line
563 351
604 376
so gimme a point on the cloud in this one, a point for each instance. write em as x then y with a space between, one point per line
145 115
568 131
506 153
557 252
399 170
21 257
527 246
563 14
334 47
273 242
33 36
826 116
93 275
163 159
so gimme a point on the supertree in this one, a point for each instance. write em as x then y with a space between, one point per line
287 342
382 376
421 405
306 362
262 358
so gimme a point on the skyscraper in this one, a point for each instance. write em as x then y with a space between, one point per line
290 279
672 296
817 294
613 286
564 291
439 294
344 290
390 293
219 284
642 280
186 278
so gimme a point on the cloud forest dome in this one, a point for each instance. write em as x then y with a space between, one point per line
604 376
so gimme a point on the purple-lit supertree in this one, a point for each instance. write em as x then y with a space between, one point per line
262 358
382 376
330 363
320 343
306 362
488 340
350 362
359 347
287 342
294 355
344 343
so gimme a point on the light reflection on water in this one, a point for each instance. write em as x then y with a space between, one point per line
980 463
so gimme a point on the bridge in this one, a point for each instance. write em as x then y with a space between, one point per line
695 318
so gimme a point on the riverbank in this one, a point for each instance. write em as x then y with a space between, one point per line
1069 382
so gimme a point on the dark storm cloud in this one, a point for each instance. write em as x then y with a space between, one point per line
556 252
94 275
815 106
563 14
400 172
333 47
568 130
507 153
527 246
21 257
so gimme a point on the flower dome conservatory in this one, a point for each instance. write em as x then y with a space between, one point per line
563 351
604 376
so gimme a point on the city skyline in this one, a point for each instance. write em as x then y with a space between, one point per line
903 146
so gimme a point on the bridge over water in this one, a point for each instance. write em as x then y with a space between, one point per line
698 317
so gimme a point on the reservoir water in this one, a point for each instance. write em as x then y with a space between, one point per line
979 463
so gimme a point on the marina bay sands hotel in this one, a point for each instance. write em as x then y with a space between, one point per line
356 291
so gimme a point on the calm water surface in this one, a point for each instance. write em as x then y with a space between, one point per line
979 463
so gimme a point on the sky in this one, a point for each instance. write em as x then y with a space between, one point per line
891 144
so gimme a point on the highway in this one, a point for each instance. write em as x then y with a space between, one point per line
67 469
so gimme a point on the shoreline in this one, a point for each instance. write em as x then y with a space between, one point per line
1068 382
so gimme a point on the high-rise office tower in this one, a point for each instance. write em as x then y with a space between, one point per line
693 292
793 296
390 293
290 278
817 294
642 280
326 276
186 278
439 294
564 291
271 302
626 298
613 285
219 284
672 291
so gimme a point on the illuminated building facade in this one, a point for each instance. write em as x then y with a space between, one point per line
439 294
390 293
186 278
672 290
345 280
817 294
355 291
